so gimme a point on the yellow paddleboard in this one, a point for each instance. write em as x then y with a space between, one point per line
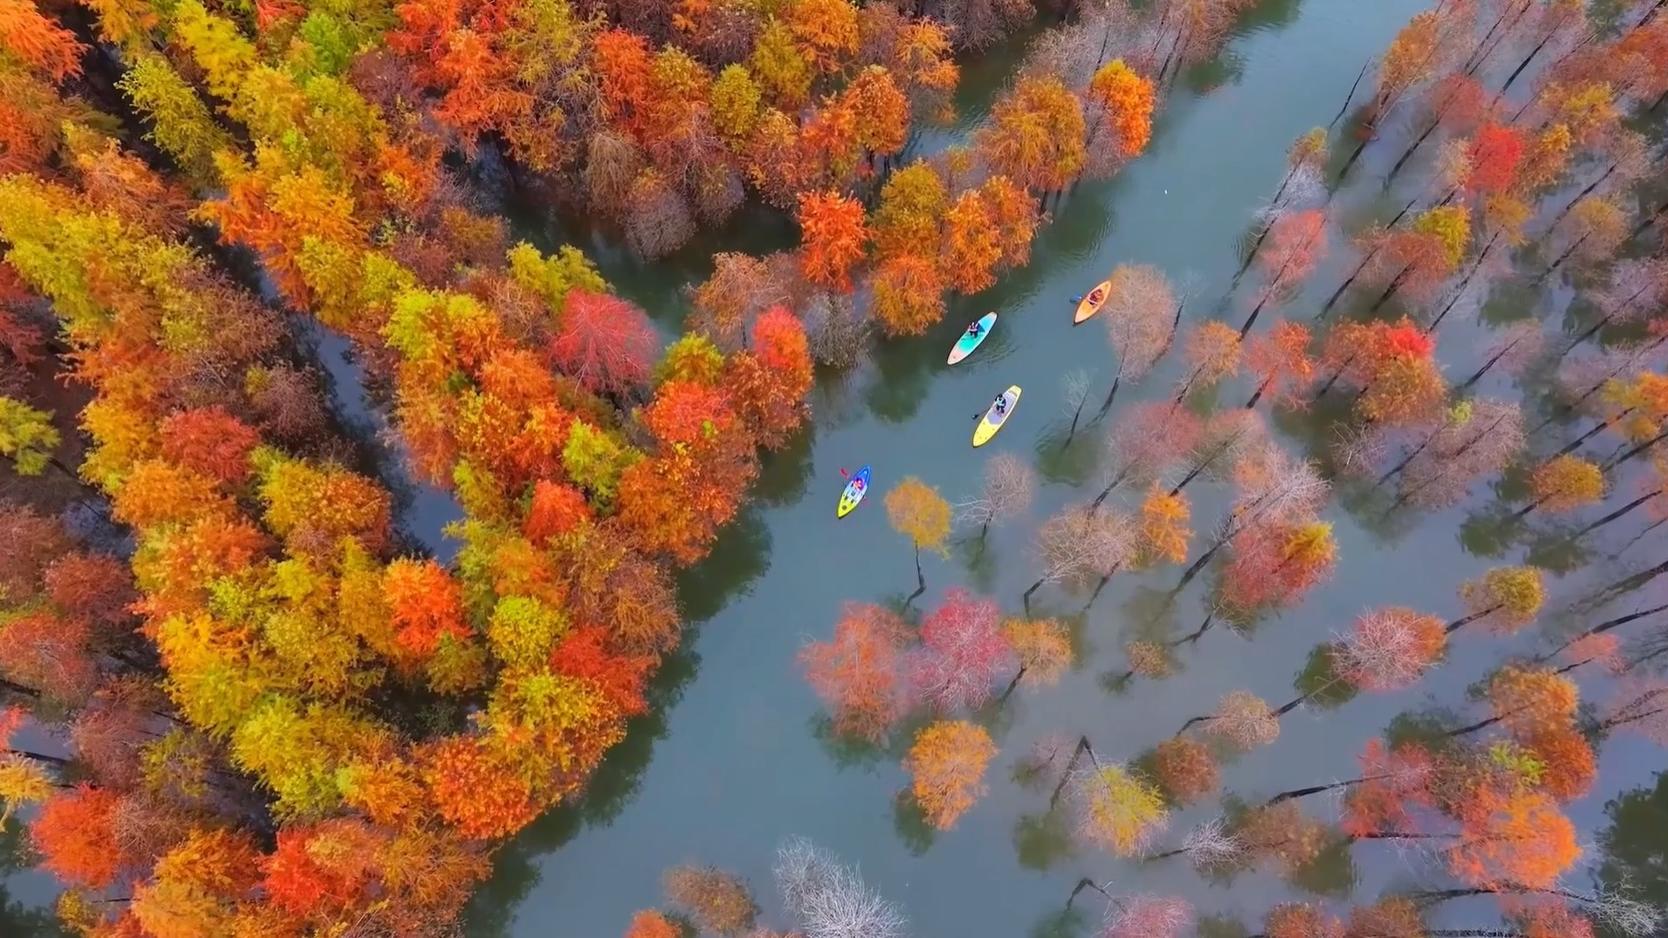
994 421
1092 301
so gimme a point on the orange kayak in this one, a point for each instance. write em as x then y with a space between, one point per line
1093 301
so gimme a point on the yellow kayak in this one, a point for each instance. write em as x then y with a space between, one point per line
852 496
995 419
1093 301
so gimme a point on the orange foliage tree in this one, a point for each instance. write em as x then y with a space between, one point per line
946 765
859 673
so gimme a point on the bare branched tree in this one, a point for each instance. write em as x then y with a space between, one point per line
1009 485
830 899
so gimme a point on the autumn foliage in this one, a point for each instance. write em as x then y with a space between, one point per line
946 764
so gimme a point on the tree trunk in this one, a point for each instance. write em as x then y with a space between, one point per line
1268 294
1025 598
1464 282
41 757
1618 513
1009 692
1474 727
15 688
1463 621
1071 764
1193 636
1575 444
1635 451
1334 379
1195 721
1638 537
1418 142
1390 291
1366 138
1082 884
1633 581
1479 56
1258 394
1588 333
1527 59
1193 571
1478 375
1262 236
1650 220
1106 405
1116 481
1075 414
1403 213
1398 467
1351 96
1582 195
1602 628
1327 307
920 578
1295 793
1523 512
1561 259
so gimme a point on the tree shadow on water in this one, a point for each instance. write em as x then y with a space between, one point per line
739 556
1063 923
1042 841
613 787
914 831
1489 532
17 918
785 473
1061 464
1555 549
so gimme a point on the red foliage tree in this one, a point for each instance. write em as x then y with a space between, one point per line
210 441
424 604
770 379
605 342
555 509
1496 153
962 653
74 834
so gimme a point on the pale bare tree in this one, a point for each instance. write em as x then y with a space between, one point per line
1140 305
1272 487
1079 545
1009 485
1074 390
830 899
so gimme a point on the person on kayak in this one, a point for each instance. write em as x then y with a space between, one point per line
1096 294
856 481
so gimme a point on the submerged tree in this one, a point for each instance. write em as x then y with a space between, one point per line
1138 309
859 674
830 900
1009 485
946 765
919 513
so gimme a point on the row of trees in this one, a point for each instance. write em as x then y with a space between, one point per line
275 715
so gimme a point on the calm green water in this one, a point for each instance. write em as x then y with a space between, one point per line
735 757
